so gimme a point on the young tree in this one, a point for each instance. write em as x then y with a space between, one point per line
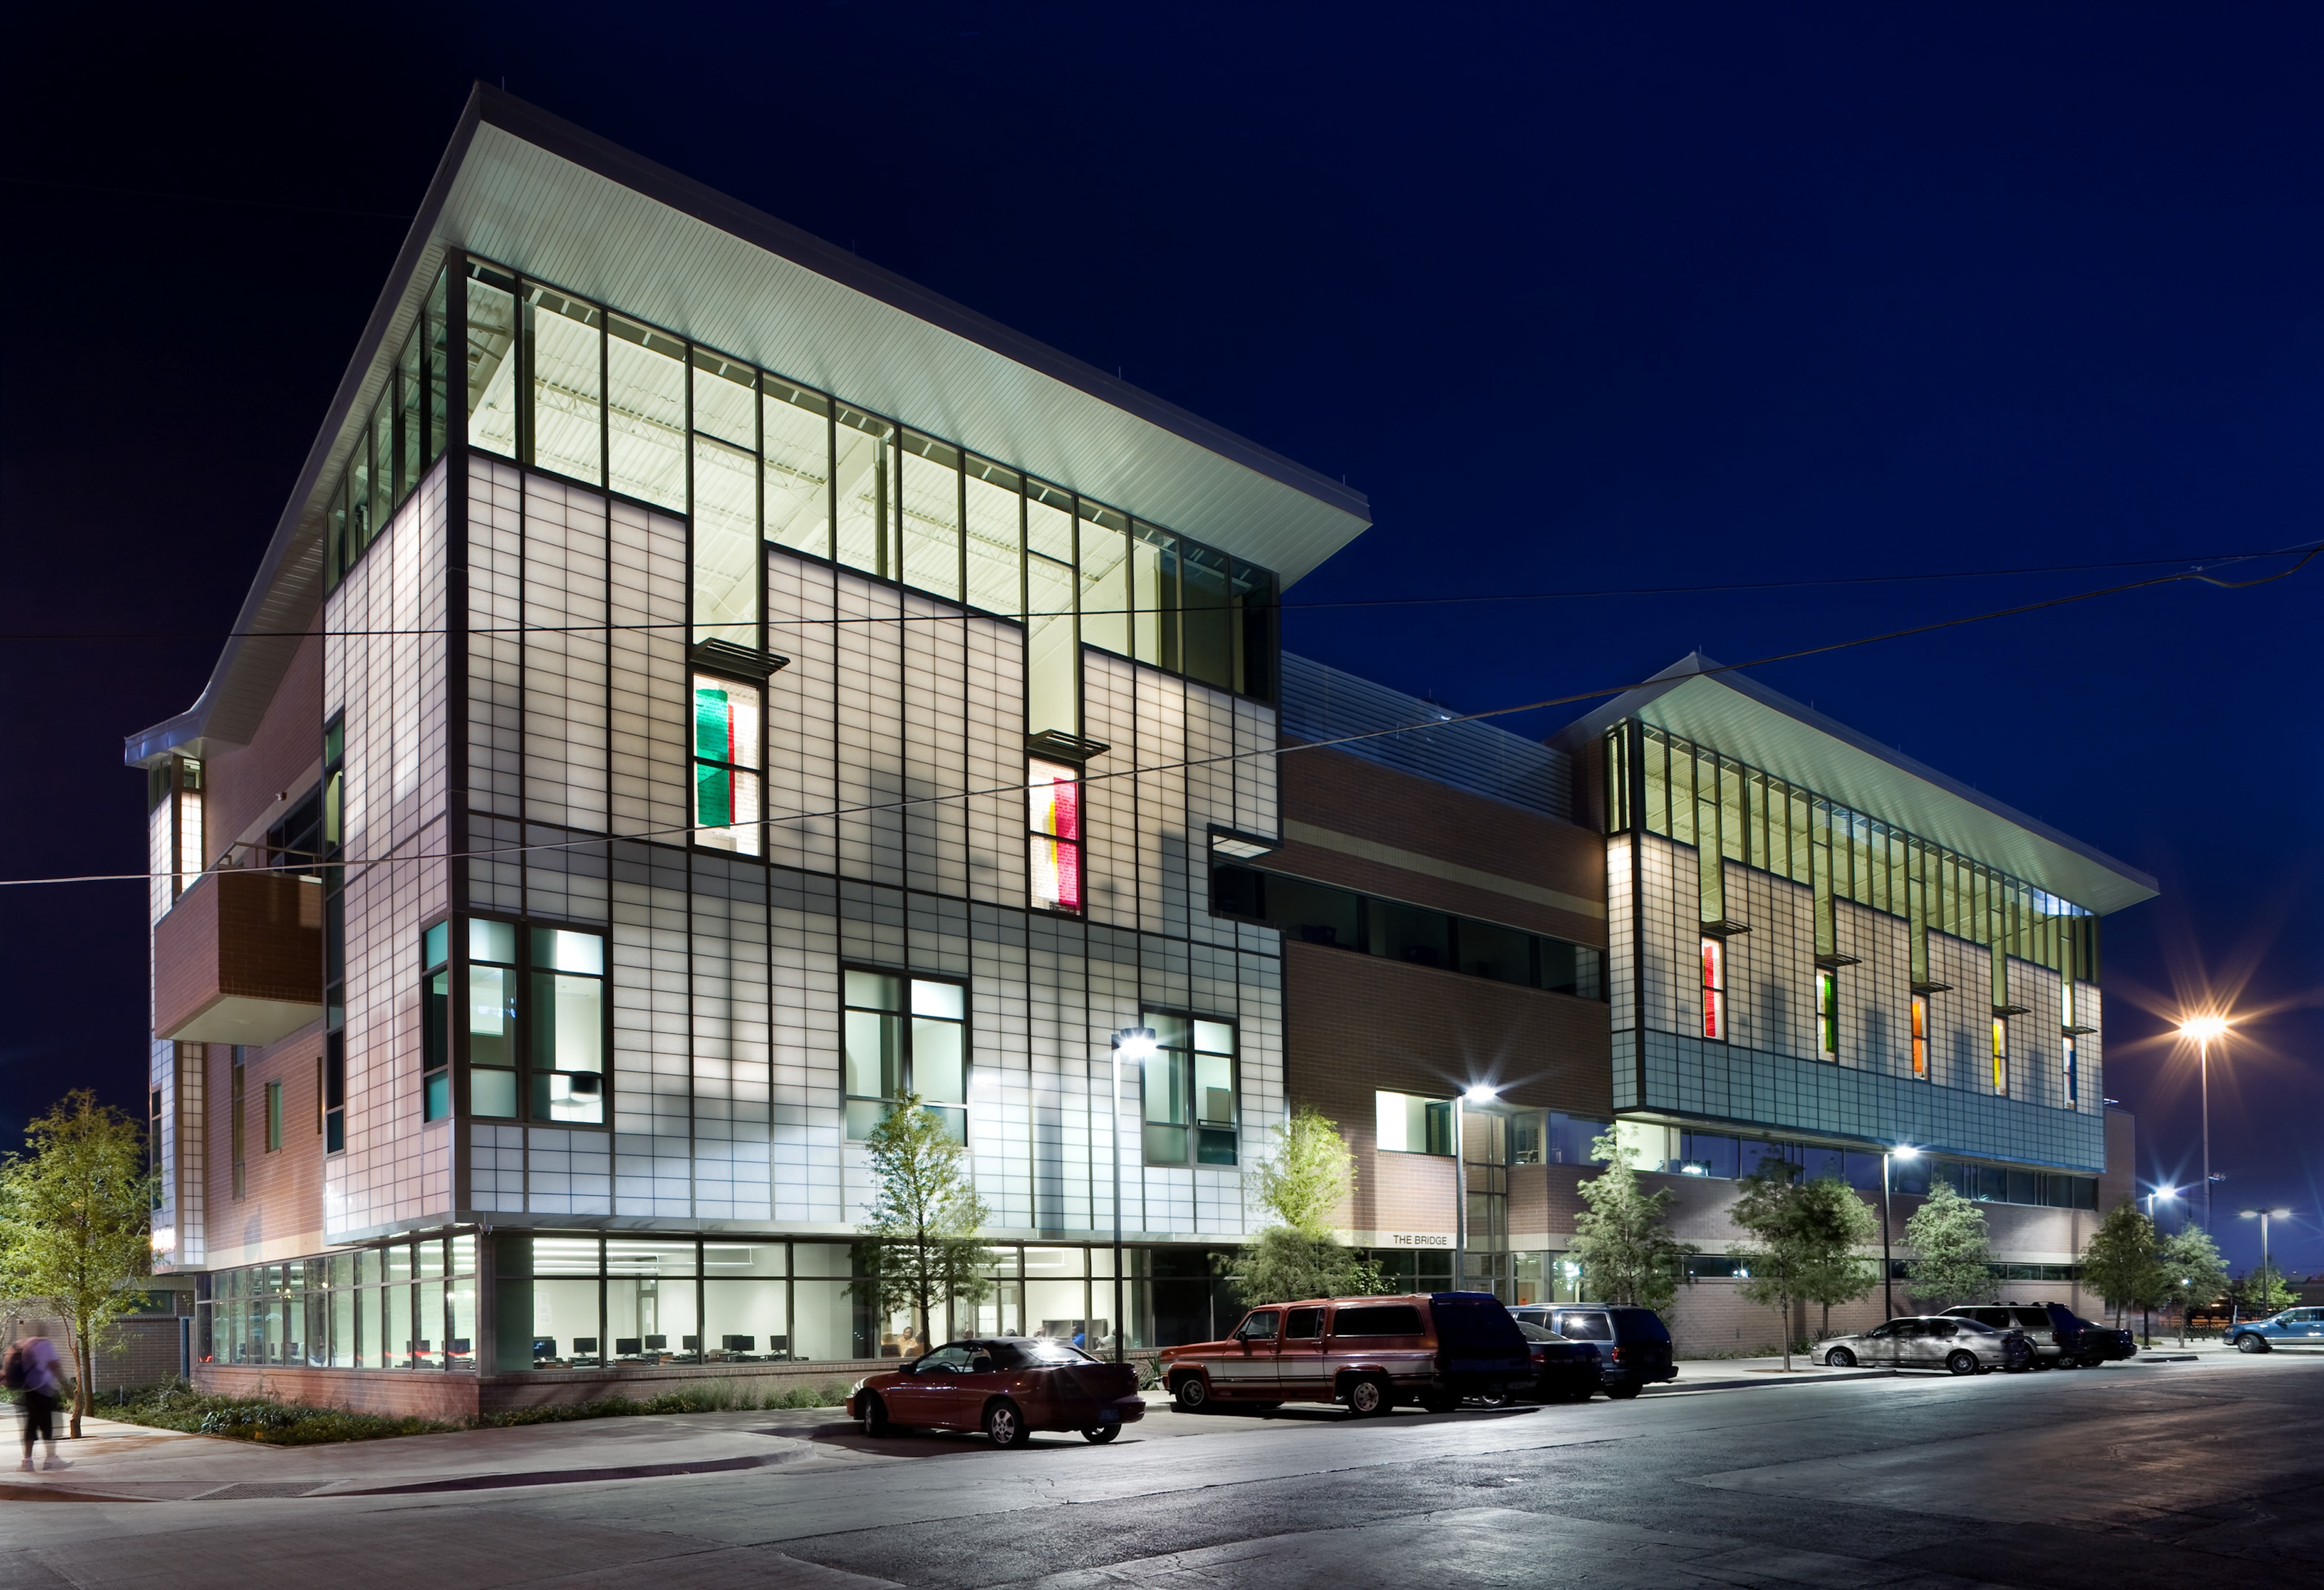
1807 1233
2122 1261
1622 1236
1303 1184
1310 1175
1952 1261
2261 1292
924 1220
1843 1275
76 1230
2193 1272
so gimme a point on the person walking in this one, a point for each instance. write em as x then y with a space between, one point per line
34 1371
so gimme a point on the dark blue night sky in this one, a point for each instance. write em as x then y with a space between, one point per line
1586 299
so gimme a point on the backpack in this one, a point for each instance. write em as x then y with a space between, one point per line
16 1374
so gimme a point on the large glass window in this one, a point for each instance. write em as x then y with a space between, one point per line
1920 1037
746 1301
995 528
1324 913
1054 817
1714 988
492 397
1827 1012
905 1035
865 471
725 501
650 1300
1104 561
930 527
645 413
568 1017
1407 1124
493 984
2000 1056
563 339
726 805
797 442
434 1022
1189 1091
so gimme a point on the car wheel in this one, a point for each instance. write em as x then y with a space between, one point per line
1625 1391
875 1415
1193 1395
1004 1426
1840 1358
1371 1397
2250 1344
1496 1395
1961 1362
1098 1435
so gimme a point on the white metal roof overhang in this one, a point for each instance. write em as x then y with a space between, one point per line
1744 719
525 188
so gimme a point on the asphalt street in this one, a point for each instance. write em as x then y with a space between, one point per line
2139 1474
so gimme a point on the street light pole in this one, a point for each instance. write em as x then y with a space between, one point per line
1887 1263
2204 1030
1134 1044
2264 1216
1478 1094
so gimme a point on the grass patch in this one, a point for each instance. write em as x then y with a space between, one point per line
274 1423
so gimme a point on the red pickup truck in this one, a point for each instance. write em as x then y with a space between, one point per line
1369 1354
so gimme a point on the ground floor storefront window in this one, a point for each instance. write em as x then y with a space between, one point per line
585 1300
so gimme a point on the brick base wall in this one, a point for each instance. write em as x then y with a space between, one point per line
441 1395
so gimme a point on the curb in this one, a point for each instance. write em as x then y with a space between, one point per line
1776 1379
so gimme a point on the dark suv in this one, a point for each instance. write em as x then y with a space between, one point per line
1633 1345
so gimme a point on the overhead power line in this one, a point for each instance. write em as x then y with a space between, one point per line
832 813
2197 566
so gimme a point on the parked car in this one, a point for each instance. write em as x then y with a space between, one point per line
2035 1321
1006 1386
1632 1345
1933 1341
2293 1326
2085 1344
1369 1354
1562 1371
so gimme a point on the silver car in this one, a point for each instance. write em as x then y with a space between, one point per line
1960 1347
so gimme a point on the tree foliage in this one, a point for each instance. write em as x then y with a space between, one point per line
2123 1260
1952 1259
74 1223
1805 1235
1304 1183
1309 1176
1622 1234
2261 1292
2194 1275
923 1222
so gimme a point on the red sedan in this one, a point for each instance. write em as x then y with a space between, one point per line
1006 1386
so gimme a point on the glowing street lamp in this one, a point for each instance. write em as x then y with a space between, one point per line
2204 1030
1888 1266
2159 1192
1478 1094
1136 1045
2263 1217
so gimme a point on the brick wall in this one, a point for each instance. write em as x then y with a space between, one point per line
137 1352
1554 872
1354 1024
237 934
280 1214
282 758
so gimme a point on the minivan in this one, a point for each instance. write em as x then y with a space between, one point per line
1632 1343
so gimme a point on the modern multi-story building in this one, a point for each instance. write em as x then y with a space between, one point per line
703 688
691 699
1706 912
